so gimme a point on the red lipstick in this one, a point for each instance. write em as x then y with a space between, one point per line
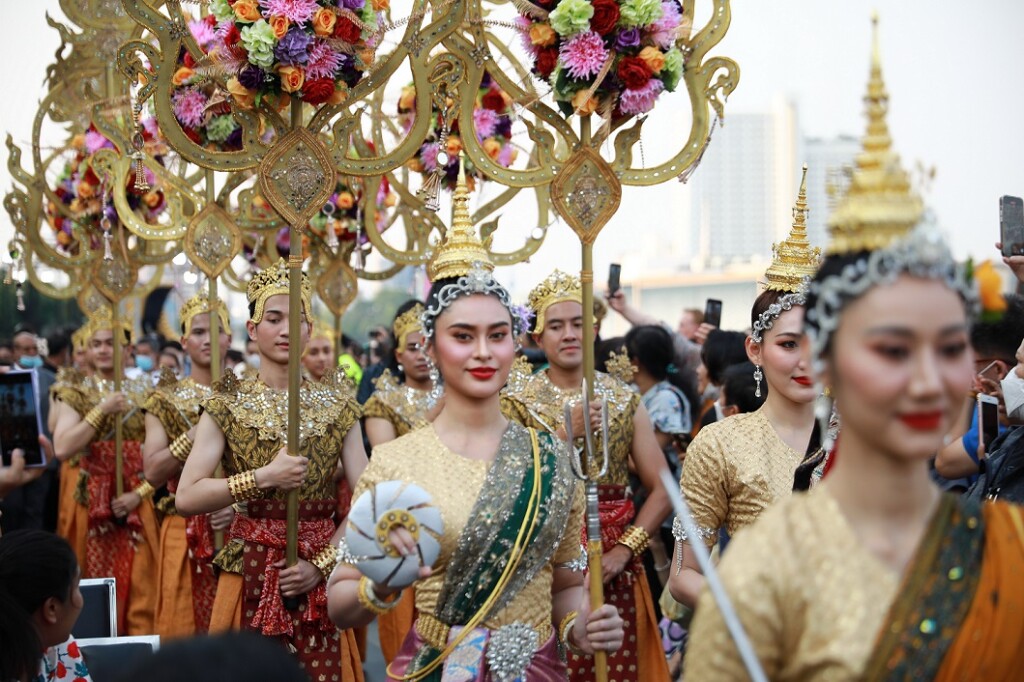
483 373
803 381
922 421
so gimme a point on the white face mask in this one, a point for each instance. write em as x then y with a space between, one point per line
1013 396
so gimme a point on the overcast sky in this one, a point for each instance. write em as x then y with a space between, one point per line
952 70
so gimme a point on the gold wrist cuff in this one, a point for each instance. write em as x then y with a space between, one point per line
243 486
370 601
565 633
94 418
636 538
144 490
326 559
180 447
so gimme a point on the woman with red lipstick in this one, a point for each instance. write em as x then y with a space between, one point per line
875 574
500 596
738 467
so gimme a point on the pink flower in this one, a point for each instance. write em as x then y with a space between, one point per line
202 32
190 107
505 156
428 156
663 31
583 55
641 100
95 141
523 24
485 121
323 62
151 125
297 11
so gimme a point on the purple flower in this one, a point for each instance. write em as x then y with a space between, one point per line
627 37
297 11
521 317
664 30
485 121
641 100
252 77
428 156
95 141
324 60
584 54
504 127
293 48
202 32
234 139
505 155
190 107
354 5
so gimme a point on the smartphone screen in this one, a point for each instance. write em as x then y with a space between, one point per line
20 423
1011 225
614 272
713 312
988 419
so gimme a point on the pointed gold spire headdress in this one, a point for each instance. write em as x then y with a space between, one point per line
271 282
464 256
879 205
794 260
103 318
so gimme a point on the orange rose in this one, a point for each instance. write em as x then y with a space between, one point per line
414 165
323 22
78 141
182 75
244 97
86 190
407 100
454 146
153 199
346 200
292 78
63 238
279 25
391 200
542 35
367 57
381 5
653 57
247 10
340 94
492 148
584 103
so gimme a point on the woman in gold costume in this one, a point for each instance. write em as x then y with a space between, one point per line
737 467
500 597
243 428
875 574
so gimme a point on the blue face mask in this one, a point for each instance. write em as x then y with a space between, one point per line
30 361
144 362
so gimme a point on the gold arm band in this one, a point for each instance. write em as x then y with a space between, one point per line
243 486
636 538
144 490
181 447
371 602
565 633
326 559
94 418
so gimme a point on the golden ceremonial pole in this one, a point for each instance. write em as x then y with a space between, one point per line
115 323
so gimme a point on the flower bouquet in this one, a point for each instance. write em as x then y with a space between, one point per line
614 55
492 125
81 202
276 49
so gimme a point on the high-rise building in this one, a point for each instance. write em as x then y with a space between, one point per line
825 158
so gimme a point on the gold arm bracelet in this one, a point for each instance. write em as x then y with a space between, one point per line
326 559
243 486
565 633
144 489
94 418
370 601
636 538
180 447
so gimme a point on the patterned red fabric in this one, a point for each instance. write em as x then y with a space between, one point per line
616 511
110 547
199 535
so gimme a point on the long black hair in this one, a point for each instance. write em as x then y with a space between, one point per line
34 566
652 348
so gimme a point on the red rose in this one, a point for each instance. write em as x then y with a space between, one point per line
317 91
634 72
188 61
546 61
346 30
90 177
233 35
191 134
73 650
606 15
493 100
210 20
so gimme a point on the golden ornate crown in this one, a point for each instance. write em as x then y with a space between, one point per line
80 337
879 205
794 260
407 323
271 282
461 248
558 287
102 318
199 304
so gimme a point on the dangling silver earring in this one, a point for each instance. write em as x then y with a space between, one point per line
757 378
436 387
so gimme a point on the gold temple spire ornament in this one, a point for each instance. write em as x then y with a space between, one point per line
461 248
879 205
794 259
557 288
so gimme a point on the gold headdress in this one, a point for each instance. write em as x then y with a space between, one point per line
462 248
102 318
557 288
407 323
199 304
879 205
80 337
274 281
794 260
